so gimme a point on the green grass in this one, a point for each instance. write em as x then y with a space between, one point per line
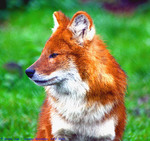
22 38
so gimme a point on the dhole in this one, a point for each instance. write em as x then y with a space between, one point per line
85 86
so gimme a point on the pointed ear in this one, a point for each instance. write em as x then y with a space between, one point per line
60 20
82 27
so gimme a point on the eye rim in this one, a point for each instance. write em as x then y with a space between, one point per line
53 55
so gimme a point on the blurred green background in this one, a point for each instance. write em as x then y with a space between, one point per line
26 25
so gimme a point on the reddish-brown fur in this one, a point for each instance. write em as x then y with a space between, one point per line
107 81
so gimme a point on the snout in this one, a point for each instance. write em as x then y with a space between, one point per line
30 72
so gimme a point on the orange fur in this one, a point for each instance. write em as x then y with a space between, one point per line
107 81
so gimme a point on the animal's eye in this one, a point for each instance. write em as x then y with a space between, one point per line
53 55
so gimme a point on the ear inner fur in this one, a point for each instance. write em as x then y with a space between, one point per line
82 13
82 28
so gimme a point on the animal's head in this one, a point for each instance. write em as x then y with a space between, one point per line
74 60
65 53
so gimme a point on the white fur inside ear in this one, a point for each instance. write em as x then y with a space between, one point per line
80 29
56 25
91 33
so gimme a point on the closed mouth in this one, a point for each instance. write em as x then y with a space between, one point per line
38 81
50 81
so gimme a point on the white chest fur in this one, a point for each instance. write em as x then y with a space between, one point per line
77 118
87 125
71 105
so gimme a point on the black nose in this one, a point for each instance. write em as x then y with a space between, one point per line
30 72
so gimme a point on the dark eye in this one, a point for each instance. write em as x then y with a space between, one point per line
53 55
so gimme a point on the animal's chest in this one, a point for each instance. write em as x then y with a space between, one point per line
71 113
94 130
77 111
76 117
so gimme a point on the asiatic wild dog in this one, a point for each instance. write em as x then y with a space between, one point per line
85 86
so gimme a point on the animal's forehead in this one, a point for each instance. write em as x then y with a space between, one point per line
56 44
